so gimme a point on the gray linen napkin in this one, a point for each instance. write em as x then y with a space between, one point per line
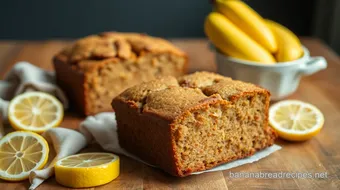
24 77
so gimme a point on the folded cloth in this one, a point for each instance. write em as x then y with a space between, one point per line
2 130
3 110
102 129
25 77
65 142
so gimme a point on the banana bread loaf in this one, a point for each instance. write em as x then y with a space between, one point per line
193 123
98 67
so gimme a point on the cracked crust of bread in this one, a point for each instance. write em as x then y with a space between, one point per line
96 68
85 53
194 122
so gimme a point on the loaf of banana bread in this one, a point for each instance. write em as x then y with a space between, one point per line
193 123
98 67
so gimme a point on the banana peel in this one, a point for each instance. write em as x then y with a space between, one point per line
290 47
249 21
232 41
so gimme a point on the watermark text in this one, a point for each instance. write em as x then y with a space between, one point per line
279 175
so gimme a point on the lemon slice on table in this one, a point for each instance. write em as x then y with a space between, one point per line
295 120
35 111
20 153
87 169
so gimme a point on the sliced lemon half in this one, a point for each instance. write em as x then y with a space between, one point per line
20 153
35 111
295 120
87 169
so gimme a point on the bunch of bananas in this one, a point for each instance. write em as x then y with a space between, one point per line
238 31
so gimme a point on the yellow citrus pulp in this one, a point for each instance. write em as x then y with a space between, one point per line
20 153
35 111
295 120
87 169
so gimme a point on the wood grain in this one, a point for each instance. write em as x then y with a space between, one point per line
320 154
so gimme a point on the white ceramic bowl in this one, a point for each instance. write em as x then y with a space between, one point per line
281 79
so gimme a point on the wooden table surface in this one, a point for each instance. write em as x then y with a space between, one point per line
320 154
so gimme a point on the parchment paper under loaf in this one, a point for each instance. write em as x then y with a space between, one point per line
102 129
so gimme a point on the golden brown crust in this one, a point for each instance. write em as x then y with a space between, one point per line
170 101
176 95
86 52
229 90
135 58
200 79
139 92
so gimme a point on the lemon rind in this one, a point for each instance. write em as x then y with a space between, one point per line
39 165
16 124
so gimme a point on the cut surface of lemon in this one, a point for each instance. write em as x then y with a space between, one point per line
20 153
295 120
87 169
35 111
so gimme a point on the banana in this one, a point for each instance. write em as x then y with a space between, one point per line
249 21
232 41
290 47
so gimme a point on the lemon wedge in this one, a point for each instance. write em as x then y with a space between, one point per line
20 153
35 111
295 120
87 169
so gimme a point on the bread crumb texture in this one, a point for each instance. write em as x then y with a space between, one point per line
194 122
110 62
